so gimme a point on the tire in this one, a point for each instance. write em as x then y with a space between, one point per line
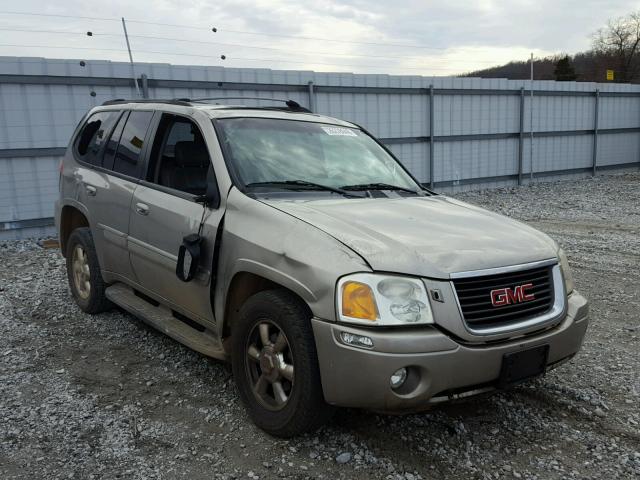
304 409
85 278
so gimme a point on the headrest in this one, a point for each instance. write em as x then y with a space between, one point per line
191 154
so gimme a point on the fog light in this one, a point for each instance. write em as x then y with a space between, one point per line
356 340
398 378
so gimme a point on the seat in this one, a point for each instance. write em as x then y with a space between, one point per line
187 171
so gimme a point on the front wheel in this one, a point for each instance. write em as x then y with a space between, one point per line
275 364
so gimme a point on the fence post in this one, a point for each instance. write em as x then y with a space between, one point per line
595 133
521 138
145 85
431 138
312 97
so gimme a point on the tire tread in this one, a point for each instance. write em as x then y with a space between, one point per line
312 411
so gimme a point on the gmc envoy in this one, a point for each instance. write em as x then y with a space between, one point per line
299 248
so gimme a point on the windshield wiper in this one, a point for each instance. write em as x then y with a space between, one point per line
377 186
303 183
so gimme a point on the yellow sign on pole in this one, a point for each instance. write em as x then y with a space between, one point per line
609 74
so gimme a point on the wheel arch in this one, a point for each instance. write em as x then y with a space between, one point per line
248 282
71 217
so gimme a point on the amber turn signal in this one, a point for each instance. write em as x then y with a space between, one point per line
358 301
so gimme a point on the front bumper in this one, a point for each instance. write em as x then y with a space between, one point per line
355 377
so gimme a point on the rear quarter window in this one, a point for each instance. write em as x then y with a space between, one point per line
93 136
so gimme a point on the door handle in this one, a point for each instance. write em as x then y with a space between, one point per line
91 190
142 209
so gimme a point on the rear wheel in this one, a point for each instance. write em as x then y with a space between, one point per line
83 272
275 364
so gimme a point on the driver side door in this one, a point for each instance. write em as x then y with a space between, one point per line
164 210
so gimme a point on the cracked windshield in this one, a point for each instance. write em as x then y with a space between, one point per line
262 151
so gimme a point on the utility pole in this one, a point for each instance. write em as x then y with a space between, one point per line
531 121
133 72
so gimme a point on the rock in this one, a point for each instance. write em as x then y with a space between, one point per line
103 422
343 458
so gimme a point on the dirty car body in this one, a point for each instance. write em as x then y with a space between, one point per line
406 297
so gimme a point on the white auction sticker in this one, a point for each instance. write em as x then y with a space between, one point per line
345 132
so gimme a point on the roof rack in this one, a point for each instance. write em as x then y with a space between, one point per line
290 104
175 101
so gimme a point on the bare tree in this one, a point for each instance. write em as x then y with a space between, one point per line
620 42
615 47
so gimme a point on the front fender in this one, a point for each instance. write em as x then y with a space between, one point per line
270 273
267 242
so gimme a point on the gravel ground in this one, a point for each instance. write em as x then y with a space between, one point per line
107 397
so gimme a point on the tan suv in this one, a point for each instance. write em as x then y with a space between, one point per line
299 248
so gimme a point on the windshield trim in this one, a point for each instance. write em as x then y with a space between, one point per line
235 178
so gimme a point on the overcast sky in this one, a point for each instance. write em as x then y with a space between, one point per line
365 36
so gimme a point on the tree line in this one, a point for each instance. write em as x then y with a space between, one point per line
615 47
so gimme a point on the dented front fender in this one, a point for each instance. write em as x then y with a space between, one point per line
290 252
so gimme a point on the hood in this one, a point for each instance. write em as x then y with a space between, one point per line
423 236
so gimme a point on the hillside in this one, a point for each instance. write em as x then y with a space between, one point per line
588 67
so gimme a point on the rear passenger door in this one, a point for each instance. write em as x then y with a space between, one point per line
109 150
164 211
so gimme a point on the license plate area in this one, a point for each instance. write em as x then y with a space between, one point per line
519 366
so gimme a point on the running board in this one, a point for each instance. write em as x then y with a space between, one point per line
161 318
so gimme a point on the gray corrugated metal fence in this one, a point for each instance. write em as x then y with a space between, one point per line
452 133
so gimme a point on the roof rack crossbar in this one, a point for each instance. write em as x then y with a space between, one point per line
174 101
291 104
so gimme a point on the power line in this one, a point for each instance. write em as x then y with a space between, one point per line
242 32
239 45
30 14
324 39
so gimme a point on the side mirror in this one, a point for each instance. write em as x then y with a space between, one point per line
188 257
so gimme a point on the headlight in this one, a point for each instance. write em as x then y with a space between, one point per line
566 271
372 299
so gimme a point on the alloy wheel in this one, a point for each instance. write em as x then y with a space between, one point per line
269 365
81 272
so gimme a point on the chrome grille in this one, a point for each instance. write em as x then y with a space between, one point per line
474 297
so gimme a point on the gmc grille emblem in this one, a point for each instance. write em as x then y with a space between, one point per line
508 296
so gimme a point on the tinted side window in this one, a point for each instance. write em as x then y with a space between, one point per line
112 145
179 158
127 158
93 136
